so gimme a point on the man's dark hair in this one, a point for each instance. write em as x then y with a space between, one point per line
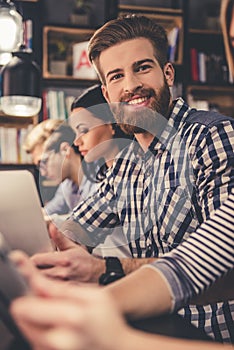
127 28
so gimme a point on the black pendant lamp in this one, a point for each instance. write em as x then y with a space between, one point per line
21 85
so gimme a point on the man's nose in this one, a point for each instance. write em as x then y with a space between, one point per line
132 83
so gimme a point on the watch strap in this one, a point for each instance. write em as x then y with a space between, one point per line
114 271
113 264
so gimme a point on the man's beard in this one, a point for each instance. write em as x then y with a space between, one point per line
141 120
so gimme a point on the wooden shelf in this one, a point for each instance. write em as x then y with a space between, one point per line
220 96
212 88
63 38
201 31
67 82
11 121
12 166
28 0
150 9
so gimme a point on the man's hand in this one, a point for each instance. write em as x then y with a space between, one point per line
61 242
71 264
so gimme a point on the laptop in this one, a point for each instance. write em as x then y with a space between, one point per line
21 219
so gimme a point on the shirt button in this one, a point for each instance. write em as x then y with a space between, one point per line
210 194
145 210
149 250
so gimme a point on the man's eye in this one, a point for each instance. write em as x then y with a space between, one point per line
143 68
116 77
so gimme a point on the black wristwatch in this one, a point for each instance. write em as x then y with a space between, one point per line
114 271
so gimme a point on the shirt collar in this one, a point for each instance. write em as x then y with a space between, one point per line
176 119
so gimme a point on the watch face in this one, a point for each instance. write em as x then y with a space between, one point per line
110 277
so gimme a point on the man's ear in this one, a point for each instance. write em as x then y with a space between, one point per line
169 73
65 149
105 93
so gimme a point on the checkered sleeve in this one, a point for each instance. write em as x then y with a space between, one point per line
212 156
213 165
98 214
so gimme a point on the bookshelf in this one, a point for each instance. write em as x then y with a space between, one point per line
200 37
58 47
207 82
64 48
53 41
14 129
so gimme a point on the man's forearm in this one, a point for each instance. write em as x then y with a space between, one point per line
129 265
144 292
132 264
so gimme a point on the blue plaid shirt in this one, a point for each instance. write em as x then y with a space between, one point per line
161 196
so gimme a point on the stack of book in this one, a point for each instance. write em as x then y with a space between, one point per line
208 69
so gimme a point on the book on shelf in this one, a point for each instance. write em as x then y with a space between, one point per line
202 67
45 109
194 64
57 103
11 145
28 33
54 106
208 68
173 38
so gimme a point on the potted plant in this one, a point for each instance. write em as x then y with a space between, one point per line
81 13
58 55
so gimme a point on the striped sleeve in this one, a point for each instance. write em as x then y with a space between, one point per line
206 255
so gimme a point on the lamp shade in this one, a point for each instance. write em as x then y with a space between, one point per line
11 29
21 85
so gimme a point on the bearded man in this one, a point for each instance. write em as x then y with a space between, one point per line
174 175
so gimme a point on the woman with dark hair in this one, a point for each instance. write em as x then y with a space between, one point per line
98 139
91 114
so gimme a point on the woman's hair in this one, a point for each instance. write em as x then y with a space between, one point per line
40 133
127 28
93 100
